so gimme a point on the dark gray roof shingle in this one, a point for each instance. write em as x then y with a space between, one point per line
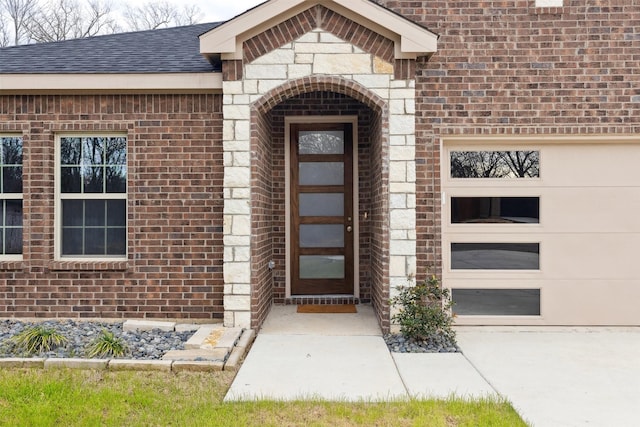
167 50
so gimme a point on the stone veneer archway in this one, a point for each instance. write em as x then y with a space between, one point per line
316 61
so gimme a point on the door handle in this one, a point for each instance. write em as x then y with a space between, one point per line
349 228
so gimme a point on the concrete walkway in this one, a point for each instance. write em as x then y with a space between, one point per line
552 376
343 357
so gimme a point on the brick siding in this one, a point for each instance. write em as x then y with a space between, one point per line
174 266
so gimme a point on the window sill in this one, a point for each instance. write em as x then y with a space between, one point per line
77 265
11 265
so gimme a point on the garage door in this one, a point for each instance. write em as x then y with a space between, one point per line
544 233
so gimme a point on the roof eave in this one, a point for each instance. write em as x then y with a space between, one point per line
121 83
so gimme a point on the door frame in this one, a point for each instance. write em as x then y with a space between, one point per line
353 120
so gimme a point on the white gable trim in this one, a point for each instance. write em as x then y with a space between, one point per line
411 40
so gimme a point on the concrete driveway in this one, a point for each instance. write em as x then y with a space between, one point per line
561 376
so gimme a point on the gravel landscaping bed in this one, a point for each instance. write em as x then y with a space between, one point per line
435 344
144 345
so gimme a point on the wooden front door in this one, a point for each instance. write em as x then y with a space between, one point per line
322 229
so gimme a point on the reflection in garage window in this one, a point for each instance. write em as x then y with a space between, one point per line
495 164
496 302
492 210
495 256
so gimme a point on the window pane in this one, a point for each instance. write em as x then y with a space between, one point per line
13 241
502 210
322 204
321 142
116 151
116 179
495 256
495 164
13 213
12 179
496 302
93 151
116 241
70 151
70 180
317 173
94 165
321 235
72 241
116 213
93 179
321 267
11 165
94 241
94 213
11 150
72 213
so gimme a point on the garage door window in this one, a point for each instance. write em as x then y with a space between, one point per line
496 302
495 164
495 210
495 256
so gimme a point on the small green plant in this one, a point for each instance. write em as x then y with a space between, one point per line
107 344
38 339
424 310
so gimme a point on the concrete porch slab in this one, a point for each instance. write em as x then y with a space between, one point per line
440 376
298 367
283 319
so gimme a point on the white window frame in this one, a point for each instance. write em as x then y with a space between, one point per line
14 196
84 196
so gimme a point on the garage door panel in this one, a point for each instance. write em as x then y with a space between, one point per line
590 165
591 302
567 302
562 255
590 210
590 256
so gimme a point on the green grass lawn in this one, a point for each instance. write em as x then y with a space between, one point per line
102 398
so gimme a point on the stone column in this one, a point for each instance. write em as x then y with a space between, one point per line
402 184
237 206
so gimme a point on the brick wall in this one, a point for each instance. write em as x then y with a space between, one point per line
265 213
174 266
379 227
509 68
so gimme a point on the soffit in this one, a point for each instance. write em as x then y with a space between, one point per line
411 40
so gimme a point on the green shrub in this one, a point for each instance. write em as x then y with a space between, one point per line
424 310
106 345
38 339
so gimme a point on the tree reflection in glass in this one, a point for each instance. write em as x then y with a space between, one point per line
93 164
10 188
321 142
495 164
93 226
